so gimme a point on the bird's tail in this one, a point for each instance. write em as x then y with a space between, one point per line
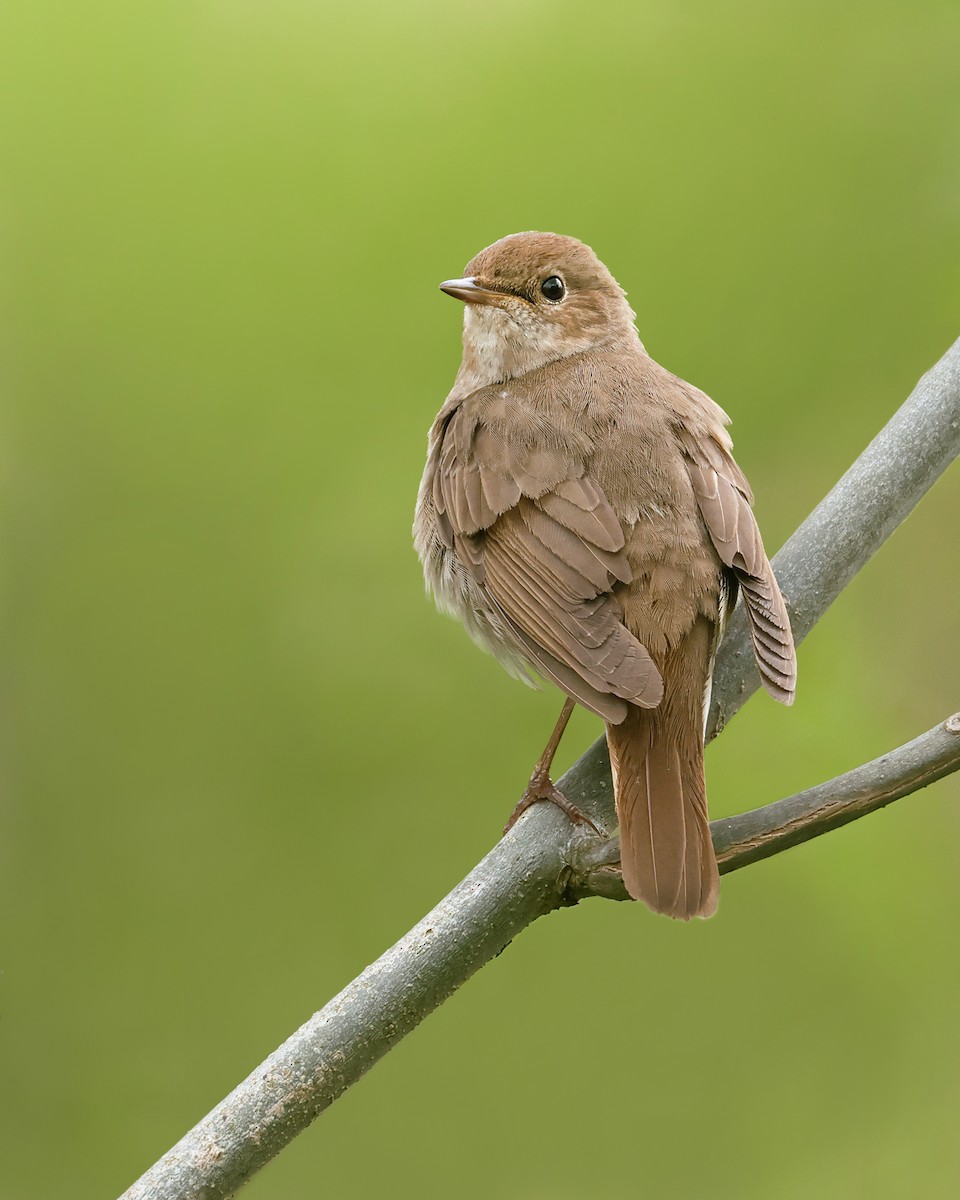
666 853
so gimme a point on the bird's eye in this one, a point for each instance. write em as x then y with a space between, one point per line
553 289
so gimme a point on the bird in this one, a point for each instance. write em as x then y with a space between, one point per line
582 514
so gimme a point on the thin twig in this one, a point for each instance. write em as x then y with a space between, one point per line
535 868
766 831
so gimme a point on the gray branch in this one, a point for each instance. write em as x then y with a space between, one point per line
544 863
766 831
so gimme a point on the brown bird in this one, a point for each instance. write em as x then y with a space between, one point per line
582 514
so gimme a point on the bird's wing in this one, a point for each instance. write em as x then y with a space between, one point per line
539 537
724 497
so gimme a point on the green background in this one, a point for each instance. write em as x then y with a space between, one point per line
242 754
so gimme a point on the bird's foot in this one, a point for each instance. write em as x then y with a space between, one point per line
542 787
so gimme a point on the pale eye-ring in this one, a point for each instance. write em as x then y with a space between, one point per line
553 289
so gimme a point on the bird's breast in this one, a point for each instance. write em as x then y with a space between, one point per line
457 593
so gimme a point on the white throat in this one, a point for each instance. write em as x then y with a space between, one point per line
501 344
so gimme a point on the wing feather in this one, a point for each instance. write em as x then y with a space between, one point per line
578 624
724 498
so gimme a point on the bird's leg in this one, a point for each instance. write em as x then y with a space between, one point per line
541 787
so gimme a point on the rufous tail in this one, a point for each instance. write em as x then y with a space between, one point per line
666 853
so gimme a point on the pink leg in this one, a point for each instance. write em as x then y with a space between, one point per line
541 787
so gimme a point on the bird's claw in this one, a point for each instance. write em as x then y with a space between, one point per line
543 788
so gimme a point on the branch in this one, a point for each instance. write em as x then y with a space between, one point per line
766 831
544 863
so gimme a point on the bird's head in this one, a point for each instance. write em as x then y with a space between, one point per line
533 298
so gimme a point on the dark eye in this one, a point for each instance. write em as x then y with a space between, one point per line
553 289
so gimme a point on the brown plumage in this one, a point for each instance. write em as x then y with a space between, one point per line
582 514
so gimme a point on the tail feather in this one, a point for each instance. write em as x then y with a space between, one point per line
666 852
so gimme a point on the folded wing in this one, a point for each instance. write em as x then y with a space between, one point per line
540 538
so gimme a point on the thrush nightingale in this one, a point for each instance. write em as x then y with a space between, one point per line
582 514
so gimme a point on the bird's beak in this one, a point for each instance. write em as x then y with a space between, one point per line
470 291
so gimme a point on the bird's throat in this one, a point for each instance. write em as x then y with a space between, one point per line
500 345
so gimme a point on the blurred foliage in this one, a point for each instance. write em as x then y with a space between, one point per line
241 752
